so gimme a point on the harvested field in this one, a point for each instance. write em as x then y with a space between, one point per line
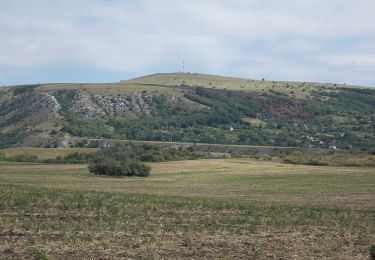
235 208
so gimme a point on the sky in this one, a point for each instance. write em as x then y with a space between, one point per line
111 40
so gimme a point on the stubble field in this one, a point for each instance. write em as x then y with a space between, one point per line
235 208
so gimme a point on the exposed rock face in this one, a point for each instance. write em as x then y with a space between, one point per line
22 107
112 105
91 106
45 100
84 106
31 103
138 104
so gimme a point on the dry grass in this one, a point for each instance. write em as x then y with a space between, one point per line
45 153
123 89
254 121
298 89
188 209
155 82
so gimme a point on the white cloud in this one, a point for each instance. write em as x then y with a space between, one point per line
360 61
291 38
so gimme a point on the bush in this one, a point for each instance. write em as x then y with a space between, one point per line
291 161
24 89
137 169
7 140
23 158
72 158
147 153
111 167
372 252
315 162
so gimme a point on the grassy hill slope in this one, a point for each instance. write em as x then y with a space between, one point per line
196 108
297 89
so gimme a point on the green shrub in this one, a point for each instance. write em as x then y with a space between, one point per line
290 161
23 158
372 252
7 140
111 167
137 169
24 89
74 157
315 162
147 153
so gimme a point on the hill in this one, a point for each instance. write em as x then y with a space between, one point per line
296 89
186 107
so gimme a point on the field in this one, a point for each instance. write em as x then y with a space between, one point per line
235 208
45 153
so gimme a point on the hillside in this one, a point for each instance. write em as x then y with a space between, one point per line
187 107
294 89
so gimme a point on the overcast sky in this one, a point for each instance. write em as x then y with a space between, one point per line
110 40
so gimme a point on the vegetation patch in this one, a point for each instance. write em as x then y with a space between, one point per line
105 166
372 252
24 89
254 121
